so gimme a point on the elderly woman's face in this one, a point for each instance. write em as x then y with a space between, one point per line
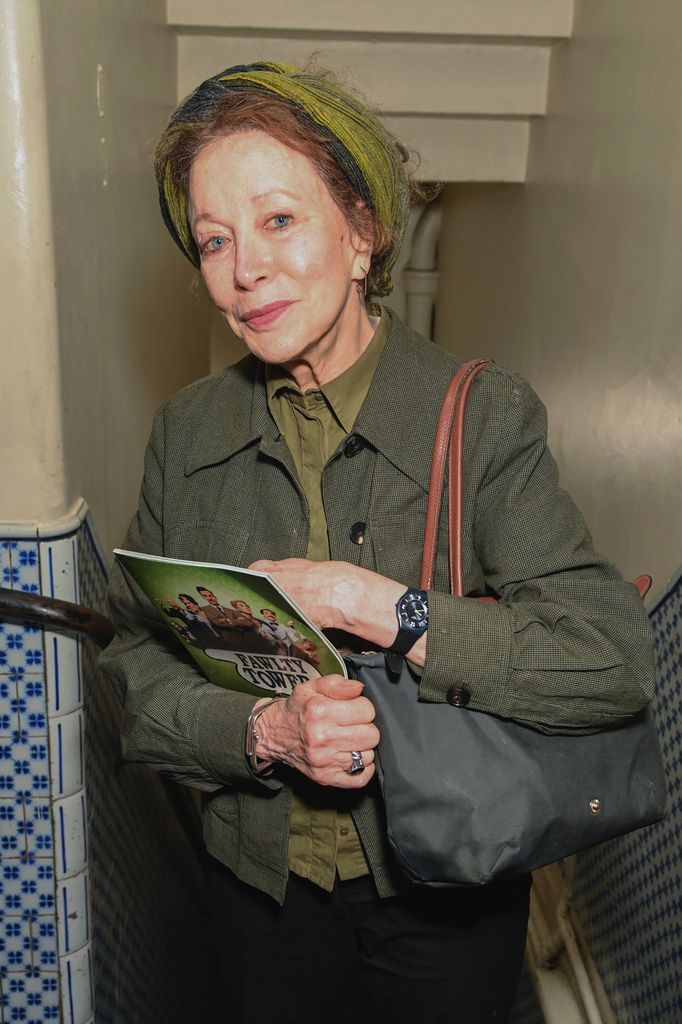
278 257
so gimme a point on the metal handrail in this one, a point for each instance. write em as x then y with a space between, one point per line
76 620
55 615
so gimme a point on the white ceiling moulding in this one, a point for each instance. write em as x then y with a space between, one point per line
533 19
444 78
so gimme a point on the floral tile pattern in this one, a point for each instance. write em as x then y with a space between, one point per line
29 987
114 866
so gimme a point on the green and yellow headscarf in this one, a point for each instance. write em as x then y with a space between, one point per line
365 151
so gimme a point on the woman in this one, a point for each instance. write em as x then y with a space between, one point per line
309 459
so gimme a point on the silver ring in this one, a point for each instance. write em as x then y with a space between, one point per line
357 765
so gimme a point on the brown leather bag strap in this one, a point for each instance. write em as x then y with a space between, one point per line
449 439
449 434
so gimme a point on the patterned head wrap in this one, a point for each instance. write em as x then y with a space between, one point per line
365 151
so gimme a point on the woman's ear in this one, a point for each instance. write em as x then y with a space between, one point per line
362 258
362 242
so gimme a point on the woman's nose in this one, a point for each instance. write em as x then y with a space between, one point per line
251 263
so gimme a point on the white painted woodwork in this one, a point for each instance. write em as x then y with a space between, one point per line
520 18
399 76
465 149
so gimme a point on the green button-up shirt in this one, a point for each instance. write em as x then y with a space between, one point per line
322 837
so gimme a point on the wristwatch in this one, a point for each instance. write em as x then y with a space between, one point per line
412 610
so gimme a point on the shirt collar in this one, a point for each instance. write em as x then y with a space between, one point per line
346 393
398 416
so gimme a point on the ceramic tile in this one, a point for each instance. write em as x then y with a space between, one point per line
29 941
16 943
58 566
9 822
9 714
23 764
63 669
31 702
76 979
31 996
5 561
20 565
45 944
72 913
66 754
70 834
21 647
26 562
27 886
35 826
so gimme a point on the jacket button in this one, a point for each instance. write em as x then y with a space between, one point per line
357 533
458 696
353 445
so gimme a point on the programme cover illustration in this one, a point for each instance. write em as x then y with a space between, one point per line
242 630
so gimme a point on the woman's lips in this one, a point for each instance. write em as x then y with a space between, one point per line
264 316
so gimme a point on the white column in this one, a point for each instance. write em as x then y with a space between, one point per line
32 474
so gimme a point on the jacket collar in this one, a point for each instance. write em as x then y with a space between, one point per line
398 417
233 415
400 413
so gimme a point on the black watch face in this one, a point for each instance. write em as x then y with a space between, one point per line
413 612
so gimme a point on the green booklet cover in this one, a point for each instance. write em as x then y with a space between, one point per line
240 627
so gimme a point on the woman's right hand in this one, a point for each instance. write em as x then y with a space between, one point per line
315 729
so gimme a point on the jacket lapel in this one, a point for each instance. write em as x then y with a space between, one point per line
400 413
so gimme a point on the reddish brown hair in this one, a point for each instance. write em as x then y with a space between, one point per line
255 110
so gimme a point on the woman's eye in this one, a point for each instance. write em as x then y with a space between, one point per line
214 244
281 220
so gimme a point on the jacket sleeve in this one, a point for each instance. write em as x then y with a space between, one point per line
173 719
569 645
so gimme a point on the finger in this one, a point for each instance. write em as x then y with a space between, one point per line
270 565
346 758
326 717
339 688
329 745
357 781
263 565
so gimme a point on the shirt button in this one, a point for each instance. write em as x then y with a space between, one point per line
343 831
357 533
353 445
458 696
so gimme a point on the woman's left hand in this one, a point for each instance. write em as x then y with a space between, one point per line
338 595
323 590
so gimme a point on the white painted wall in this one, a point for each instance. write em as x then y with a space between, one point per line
101 325
31 457
575 278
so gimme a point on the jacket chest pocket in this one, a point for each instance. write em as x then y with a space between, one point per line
398 543
206 541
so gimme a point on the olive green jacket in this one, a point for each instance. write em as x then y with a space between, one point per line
567 647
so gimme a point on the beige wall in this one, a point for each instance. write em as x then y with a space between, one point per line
101 323
576 279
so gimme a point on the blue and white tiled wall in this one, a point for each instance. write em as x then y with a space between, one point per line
628 893
100 893
44 938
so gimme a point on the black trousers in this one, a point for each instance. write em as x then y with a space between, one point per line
427 956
